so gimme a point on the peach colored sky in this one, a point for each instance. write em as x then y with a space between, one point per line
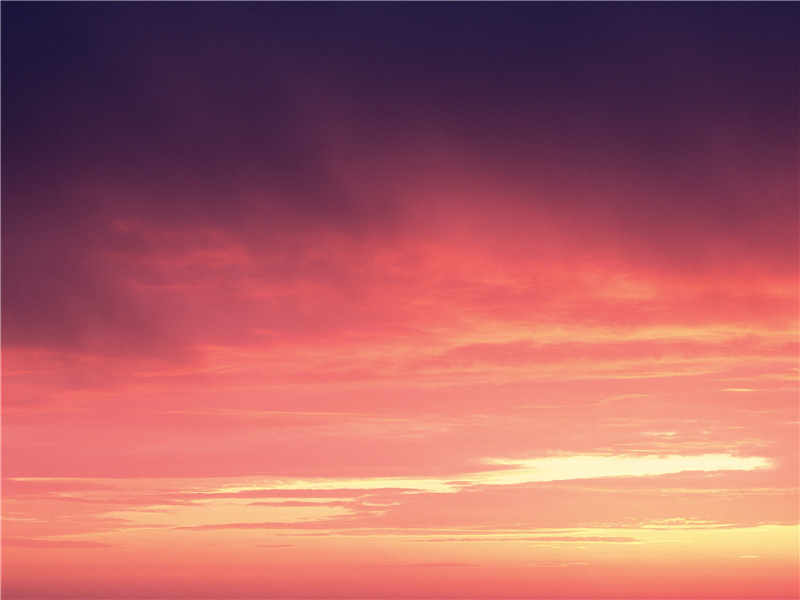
400 301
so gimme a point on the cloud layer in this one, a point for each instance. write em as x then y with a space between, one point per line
293 286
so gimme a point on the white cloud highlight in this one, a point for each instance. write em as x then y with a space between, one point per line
560 468
521 471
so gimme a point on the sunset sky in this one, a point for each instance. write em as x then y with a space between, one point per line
397 300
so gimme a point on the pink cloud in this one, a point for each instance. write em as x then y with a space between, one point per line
47 544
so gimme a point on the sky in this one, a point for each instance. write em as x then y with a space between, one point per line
400 300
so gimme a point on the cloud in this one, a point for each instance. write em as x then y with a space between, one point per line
536 539
558 468
522 471
326 524
445 565
44 544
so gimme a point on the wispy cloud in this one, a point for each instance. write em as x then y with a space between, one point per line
558 468
51 544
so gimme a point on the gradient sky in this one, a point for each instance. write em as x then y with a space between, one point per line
400 300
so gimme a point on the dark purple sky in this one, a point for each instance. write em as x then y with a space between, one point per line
672 126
